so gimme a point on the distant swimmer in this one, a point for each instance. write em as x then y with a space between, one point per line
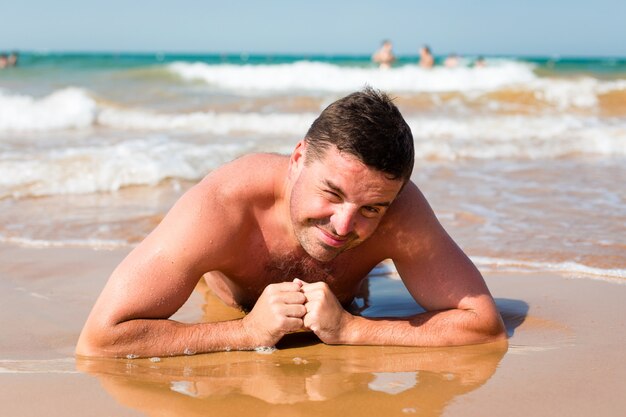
289 239
7 61
451 61
12 59
426 57
384 56
480 62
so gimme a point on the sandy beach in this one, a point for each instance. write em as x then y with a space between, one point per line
564 357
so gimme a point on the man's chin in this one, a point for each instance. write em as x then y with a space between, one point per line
322 256
323 252
326 253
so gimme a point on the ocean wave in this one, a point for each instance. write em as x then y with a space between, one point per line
318 77
572 269
324 77
213 122
490 264
76 109
525 137
446 138
68 108
101 244
105 168
149 158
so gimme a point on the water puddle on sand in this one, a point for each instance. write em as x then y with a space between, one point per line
302 377
530 334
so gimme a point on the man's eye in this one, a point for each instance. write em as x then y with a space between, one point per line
333 196
370 211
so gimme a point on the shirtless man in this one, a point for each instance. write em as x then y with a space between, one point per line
291 238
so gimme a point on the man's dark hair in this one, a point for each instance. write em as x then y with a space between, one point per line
367 125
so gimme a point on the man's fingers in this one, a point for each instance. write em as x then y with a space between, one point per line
314 292
284 286
295 310
311 320
293 324
275 294
307 286
293 297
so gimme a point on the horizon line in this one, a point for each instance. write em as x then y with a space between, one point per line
148 52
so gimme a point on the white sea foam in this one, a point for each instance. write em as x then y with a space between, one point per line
323 77
213 122
105 244
76 108
476 129
534 137
565 94
572 269
485 137
89 169
569 268
69 108
518 127
444 137
80 169
73 108
610 86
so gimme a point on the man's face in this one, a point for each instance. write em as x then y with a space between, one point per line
337 202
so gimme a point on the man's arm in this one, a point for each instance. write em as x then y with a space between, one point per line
460 309
130 318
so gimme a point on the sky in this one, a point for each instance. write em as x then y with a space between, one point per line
488 27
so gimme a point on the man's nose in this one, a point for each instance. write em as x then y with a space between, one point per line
344 219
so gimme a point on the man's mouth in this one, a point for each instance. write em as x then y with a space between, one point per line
332 239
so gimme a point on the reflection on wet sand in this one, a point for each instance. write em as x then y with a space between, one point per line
303 376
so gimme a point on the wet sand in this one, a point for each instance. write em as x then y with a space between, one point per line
565 355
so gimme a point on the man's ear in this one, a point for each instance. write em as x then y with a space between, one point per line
296 161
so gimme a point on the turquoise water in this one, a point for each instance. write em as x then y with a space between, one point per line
591 65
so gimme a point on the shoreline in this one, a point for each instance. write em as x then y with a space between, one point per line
566 338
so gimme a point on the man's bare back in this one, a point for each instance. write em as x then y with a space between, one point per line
291 239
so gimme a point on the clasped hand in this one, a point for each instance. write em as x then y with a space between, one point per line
291 306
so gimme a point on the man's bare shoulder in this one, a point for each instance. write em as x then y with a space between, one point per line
245 179
410 221
228 196
210 217
409 206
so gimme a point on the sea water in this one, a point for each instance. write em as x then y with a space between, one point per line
522 160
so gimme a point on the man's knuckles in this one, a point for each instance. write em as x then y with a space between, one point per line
315 286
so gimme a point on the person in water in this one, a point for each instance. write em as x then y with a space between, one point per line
384 56
426 57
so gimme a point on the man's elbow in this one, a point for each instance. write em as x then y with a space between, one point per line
95 342
88 347
491 327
